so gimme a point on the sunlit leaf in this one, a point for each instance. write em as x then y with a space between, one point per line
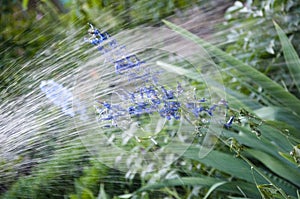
25 4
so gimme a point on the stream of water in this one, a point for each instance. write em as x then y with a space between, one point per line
133 100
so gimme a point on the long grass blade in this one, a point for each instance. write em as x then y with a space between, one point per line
290 55
212 188
283 170
232 187
236 167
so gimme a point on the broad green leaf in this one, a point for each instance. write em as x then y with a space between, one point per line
288 157
204 181
279 114
245 100
229 187
290 55
275 137
249 139
276 91
234 166
86 194
289 131
73 196
224 162
277 166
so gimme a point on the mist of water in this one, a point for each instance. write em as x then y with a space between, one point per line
63 104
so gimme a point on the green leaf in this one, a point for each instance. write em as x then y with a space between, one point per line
280 115
249 139
25 4
102 194
234 166
125 196
276 91
289 131
288 157
290 55
212 188
231 197
275 137
269 191
277 166
229 187
204 181
224 162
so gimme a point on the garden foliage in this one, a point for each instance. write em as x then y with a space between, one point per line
258 149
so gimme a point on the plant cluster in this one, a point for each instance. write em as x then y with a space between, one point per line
258 149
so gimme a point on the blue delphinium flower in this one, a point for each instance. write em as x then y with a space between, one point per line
146 99
211 109
127 63
170 109
140 108
229 123
107 111
179 89
195 108
168 94
170 105
97 36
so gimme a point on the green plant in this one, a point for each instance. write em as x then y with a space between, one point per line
262 166
260 47
258 156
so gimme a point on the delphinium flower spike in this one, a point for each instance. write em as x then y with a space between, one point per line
117 55
148 95
127 63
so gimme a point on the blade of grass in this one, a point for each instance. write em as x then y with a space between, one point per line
212 188
284 97
224 162
290 55
280 115
249 139
276 165
238 168
289 158
205 181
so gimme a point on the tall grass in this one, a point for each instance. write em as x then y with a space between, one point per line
265 140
